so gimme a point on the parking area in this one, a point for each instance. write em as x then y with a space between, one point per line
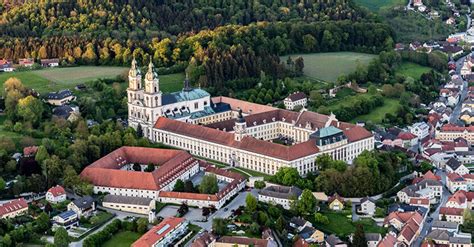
194 214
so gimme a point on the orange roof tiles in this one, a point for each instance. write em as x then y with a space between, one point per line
157 233
57 190
106 171
451 211
13 206
419 201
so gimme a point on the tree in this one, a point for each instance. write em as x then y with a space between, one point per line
309 42
61 238
254 228
137 167
280 223
205 212
42 222
299 65
321 219
30 109
3 184
209 185
183 209
150 168
219 226
259 184
251 203
189 186
179 186
307 202
142 225
359 237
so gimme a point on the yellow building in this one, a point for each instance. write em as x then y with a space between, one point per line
336 202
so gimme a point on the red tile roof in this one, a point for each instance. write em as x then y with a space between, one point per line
451 211
388 241
57 190
257 242
157 232
13 206
403 217
455 128
431 175
455 177
106 171
406 136
419 201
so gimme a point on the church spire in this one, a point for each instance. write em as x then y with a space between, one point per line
134 70
187 85
151 80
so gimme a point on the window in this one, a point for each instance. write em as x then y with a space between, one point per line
196 105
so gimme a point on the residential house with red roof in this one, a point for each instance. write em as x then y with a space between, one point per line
30 151
295 99
56 194
13 208
449 132
163 234
461 199
452 214
408 225
455 182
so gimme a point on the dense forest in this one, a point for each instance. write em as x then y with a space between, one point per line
222 40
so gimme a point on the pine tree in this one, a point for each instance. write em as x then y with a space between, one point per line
359 237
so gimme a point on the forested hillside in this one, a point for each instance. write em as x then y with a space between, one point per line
223 40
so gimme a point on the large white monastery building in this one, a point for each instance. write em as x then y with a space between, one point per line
237 132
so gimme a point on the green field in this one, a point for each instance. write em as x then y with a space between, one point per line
376 5
378 114
122 239
412 70
341 225
5 133
329 66
54 79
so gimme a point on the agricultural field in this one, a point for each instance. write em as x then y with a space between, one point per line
329 66
122 239
412 70
54 79
376 5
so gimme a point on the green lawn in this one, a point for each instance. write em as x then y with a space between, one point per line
172 82
378 114
376 5
5 133
412 70
329 66
122 239
342 225
53 79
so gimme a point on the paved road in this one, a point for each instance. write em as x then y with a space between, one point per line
435 215
454 118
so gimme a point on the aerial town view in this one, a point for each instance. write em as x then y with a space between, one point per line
258 123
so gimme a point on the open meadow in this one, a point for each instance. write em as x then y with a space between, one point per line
412 70
376 5
329 66
54 79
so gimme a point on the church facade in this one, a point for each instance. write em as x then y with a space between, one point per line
239 133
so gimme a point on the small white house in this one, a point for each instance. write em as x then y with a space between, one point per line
420 129
367 206
295 99
84 206
66 219
280 195
56 194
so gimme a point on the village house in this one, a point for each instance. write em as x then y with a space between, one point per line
455 182
455 215
373 239
70 113
445 225
30 151
56 194
461 199
280 195
67 219
334 241
83 207
453 165
295 99
13 208
449 132
336 202
367 206
230 241
420 202
311 235
408 225
137 205
60 98
298 224
163 234
420 129
52 62
26 62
